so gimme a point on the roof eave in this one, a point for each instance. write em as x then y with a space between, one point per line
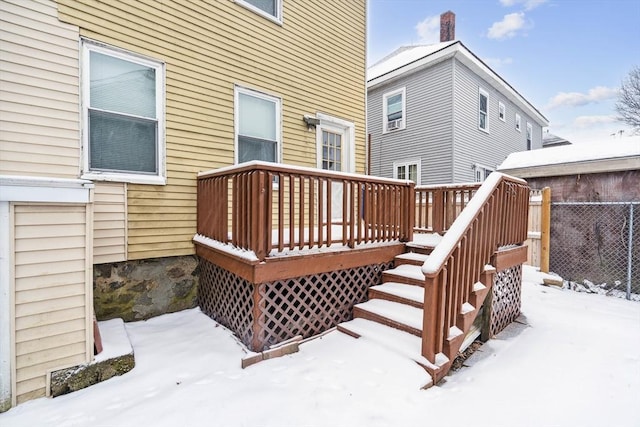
574 168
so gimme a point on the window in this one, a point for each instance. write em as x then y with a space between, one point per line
394 107
123 116
502 111
335 148
331 150
481 172
529 135
408 170
483 110
257 117
271 9
518 123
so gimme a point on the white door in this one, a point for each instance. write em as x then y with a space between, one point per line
335 153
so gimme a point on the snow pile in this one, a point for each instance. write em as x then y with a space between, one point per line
573 360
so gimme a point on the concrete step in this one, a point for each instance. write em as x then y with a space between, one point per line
411 258
393 314
406 273
398 292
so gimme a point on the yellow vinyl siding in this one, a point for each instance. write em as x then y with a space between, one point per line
51 291
109 222
314 61
39 103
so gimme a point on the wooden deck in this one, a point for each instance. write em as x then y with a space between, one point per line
290 251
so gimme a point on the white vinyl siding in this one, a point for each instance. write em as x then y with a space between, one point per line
39 109
109 222
394 110
52 285
123 116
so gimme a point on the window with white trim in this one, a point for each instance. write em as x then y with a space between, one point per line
394 110
529 135
518 123
502 112
408 170
481 172
123 115
271 9
483 110
257 127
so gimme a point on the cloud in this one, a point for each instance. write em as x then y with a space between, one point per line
528 4
429 30
508 27
498 62
582 122
577 99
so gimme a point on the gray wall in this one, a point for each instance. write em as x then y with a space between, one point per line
473 145
442 126
428 132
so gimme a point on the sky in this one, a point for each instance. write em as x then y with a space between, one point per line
568 360
566 57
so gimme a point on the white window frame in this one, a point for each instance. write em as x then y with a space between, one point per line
477 167
329 122
160 178
529 136
406 164
278 115
277 19
385 122
482 92
502 111
518 123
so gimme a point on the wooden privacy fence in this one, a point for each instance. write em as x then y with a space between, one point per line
269 208
539 229
437 206
496 217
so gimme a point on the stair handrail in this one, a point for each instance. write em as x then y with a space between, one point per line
473 248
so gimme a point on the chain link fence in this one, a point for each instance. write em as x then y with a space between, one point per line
597 245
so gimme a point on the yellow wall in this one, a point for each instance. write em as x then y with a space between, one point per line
314 61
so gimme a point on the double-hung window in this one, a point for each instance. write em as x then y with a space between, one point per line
481 172
257 118
408 170
483 110
123 116
394 110
529 135
502 111
271 9
518 123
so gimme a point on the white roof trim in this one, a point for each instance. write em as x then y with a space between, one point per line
464 55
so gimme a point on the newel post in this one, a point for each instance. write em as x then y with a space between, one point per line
438 211
258 214
410 215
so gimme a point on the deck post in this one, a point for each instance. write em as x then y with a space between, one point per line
438 211
259 228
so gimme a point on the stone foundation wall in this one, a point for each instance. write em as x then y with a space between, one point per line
138 290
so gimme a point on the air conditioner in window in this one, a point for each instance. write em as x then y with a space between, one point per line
394 124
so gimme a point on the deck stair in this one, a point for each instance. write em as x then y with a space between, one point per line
393 316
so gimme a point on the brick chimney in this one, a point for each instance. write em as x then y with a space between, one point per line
447 26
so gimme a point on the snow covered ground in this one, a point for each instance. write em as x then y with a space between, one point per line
573 361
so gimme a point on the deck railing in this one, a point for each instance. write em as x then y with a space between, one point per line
437 206
270 208
495 217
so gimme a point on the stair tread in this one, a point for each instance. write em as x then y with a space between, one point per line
410 292
412 256
407 270
398 341
394 311
425 240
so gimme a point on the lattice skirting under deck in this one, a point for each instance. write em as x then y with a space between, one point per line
305 305
506 301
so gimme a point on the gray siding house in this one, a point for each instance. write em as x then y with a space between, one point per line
437 114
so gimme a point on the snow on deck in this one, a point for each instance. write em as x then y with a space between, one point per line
409 271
